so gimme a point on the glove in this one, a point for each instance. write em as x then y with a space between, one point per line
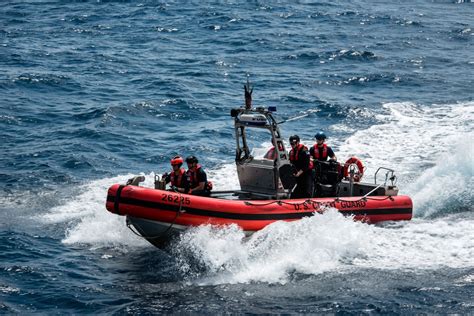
174 188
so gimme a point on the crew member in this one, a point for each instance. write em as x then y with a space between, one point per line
320 151
177 178
300 159
271 153
197 178
325 173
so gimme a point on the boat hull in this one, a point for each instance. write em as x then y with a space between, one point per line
158 214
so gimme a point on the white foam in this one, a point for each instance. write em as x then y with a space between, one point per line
327 242
430 147
224 178
5 289
87 220
422 244
310 245
412 137
448 185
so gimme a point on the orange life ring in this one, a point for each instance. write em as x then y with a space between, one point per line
351 161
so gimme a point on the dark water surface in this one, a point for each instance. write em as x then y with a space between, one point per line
93 92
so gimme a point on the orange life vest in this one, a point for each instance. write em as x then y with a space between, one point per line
193 180
294 154
177 179
316 152
192 174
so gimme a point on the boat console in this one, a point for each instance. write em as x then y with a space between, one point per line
261 177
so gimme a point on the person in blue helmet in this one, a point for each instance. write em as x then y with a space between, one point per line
324 172
320 151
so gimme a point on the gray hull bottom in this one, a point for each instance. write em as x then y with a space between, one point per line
160 234
157 233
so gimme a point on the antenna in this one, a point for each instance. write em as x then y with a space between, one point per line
248 94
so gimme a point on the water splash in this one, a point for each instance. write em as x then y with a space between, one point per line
322 243
312 245
448 187
429 148
411 137
87 221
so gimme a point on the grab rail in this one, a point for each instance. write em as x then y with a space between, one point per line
389 171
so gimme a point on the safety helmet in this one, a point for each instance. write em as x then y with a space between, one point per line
294 138
320 135
177 160
191 159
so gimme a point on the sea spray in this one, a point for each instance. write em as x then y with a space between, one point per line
448 187
323 243
88 222
410 138
275 254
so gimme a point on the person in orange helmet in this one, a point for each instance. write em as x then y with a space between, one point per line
177 178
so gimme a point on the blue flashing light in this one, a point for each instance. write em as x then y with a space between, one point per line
272 109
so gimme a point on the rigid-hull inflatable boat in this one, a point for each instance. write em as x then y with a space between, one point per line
157 214
266 185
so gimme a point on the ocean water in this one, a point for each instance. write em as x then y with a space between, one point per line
93 93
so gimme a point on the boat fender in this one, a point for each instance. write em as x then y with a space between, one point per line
360 166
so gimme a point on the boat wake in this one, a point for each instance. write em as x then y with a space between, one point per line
431 149
448 187
322 243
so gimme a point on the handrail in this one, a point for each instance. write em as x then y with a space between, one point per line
391 171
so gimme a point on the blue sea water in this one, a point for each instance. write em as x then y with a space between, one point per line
95 92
